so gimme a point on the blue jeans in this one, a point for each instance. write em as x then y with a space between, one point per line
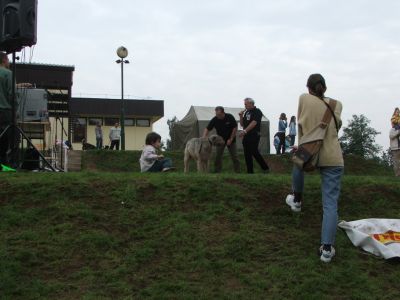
159 165
330 188
99 143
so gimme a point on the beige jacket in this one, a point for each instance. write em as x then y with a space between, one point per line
309 115
394 136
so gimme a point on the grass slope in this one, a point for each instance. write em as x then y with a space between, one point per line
128 161
134 236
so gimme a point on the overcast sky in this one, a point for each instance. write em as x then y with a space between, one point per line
217 52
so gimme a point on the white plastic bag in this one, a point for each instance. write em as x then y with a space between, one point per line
380 237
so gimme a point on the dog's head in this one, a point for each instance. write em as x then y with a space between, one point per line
216 140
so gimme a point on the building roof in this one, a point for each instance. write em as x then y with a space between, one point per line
45 76
56 79
112 107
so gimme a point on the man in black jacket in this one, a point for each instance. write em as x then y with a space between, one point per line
226 127
250 120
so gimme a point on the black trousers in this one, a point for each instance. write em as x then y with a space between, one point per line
282 143
250 149
6 143
114 143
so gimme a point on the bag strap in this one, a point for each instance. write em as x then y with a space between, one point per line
329 113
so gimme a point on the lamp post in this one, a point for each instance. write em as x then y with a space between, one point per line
122 52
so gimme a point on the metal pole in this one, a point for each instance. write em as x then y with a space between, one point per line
122 107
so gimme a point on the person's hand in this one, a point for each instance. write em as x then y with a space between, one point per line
242 133
241 113
295 148
159 157
229 142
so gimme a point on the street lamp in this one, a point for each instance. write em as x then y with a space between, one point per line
122 52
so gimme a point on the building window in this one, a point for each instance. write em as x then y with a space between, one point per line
95 121
110 121
79 129
129 122
143 122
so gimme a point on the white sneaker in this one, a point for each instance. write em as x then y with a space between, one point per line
295 206
326 256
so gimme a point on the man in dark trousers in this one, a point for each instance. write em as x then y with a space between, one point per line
226 127
250 120
5 106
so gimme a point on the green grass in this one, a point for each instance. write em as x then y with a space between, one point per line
134 236
128 161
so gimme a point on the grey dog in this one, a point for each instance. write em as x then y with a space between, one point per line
200 149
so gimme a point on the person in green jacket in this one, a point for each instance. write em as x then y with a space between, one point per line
5 106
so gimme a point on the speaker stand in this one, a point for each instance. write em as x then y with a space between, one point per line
14 128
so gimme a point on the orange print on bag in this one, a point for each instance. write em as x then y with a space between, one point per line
387 238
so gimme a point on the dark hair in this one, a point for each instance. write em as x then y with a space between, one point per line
220 108
316 84
152 137
283 116
292 119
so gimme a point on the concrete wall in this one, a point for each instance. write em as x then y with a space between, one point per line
134 136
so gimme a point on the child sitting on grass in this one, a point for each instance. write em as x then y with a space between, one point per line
150 161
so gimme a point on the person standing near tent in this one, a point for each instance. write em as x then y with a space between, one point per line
226 127
250 120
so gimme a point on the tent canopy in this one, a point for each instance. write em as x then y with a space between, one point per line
197 119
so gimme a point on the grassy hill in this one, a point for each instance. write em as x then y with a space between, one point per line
95 235
128 161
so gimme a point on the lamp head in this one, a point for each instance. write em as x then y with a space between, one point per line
122 52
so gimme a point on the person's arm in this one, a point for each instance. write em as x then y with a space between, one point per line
251 126
248 128
394 134
150 154
110 134
232 137
205 132
241 117
299 120
209 127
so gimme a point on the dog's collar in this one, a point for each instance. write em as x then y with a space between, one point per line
209 141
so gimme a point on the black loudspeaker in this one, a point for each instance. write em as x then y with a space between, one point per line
18 25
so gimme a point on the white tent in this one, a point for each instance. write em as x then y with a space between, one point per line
198 117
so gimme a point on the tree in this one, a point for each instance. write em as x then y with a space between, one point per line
387 158
170 123
359 138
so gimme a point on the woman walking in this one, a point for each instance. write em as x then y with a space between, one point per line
312 107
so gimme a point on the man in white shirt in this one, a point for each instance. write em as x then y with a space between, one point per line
115 135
